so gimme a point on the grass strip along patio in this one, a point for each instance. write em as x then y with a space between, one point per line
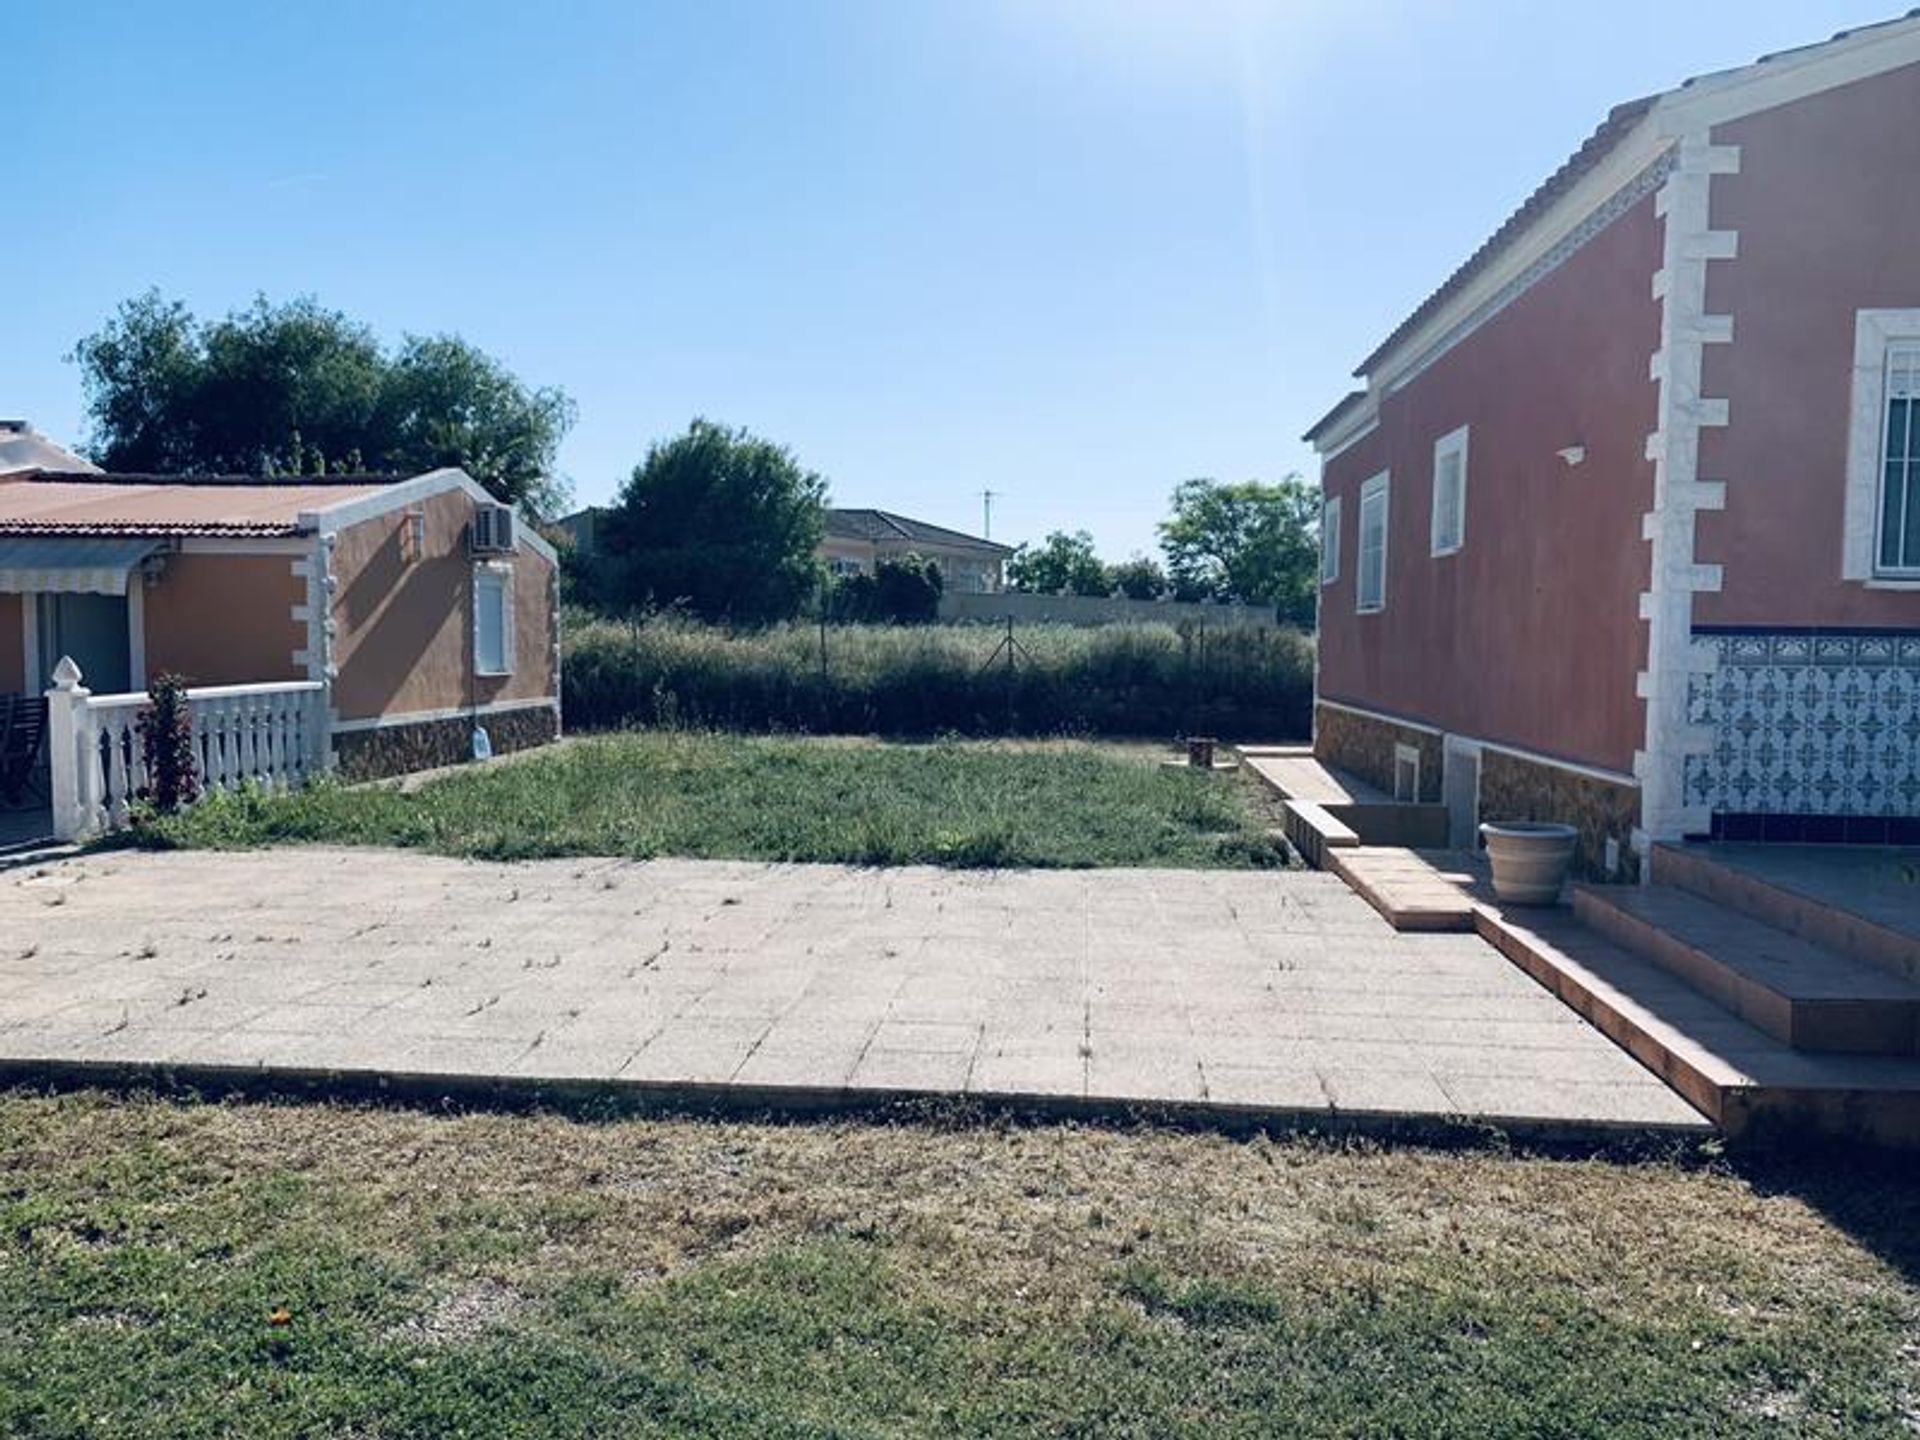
719 796
184 1269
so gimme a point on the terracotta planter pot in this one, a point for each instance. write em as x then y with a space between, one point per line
1529 858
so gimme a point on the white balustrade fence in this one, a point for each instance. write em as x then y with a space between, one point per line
273 735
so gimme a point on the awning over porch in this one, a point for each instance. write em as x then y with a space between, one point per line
88 564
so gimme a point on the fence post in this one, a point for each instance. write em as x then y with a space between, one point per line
71 745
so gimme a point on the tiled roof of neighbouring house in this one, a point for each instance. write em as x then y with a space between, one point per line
24 448
1620 122
49 502
885 525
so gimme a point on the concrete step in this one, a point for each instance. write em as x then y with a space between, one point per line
1802 995
1813 919
1756 1089
1413 889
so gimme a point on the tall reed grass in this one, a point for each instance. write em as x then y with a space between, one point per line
1144 680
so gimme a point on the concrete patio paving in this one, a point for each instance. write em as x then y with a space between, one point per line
1245 992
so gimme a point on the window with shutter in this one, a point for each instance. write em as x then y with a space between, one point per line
1899 508
493 621
1330 541
1370 589
1450 492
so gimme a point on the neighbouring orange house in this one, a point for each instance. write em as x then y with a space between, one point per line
383 618
1623 528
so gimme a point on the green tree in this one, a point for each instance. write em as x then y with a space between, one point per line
1139 577
718 522
1250 541
297 389
1062 564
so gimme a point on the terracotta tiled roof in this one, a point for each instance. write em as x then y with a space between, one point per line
58 503
885 525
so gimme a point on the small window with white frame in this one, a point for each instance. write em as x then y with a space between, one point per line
1330 540
1370 567
493 620
1882 534
1898 549
1450 492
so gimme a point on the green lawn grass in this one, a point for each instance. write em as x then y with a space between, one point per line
497 1275
642 794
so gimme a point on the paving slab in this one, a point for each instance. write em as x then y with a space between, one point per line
1255 994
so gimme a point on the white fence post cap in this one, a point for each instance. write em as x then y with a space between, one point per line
66 674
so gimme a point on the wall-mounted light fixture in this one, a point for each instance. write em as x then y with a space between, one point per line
1573 454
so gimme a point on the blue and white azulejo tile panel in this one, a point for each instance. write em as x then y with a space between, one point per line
1809 724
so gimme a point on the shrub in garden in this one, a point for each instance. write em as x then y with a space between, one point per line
166 743
1146 680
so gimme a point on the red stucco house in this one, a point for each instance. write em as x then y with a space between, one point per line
1624 526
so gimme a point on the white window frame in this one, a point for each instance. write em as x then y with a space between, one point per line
1378 488
1330 540
484 577
1453 443
1877 333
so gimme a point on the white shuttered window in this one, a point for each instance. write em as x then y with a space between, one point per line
1370 589
1450 492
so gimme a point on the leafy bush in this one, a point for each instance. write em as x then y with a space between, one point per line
1148 680
902 590
166 744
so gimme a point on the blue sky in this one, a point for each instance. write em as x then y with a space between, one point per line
1070 250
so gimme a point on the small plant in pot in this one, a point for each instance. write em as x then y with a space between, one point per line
1530 859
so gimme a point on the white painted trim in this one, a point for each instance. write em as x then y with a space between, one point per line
1453 443
1689 245
1382 715
509 621
1380 486
457 712
30 642
1343 438
1405 754
1574 767
554 623
244 545
1691 109
1330 540
1533 757
137 630
1875 332
1457 752
330 519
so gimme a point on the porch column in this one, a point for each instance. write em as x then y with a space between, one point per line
73 783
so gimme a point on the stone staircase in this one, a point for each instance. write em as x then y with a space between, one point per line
1770 1010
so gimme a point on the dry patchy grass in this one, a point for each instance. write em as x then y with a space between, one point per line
537 1274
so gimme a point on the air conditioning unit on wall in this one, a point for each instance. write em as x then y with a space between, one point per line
492 529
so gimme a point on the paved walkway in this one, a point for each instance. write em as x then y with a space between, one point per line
1252 991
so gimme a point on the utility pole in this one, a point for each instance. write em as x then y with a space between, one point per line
987 497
